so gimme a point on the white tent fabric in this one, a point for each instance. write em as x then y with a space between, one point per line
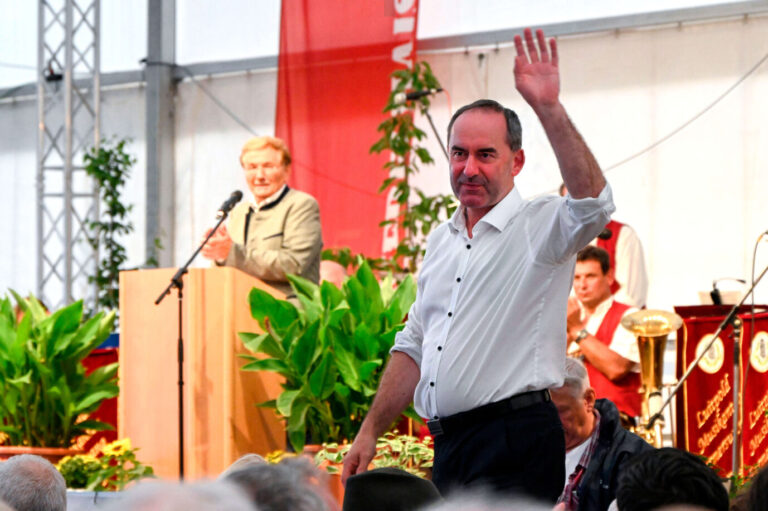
697 201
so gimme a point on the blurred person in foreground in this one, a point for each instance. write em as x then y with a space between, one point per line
278 232
485 338
168 496
31 483
665 477
294 484
596 446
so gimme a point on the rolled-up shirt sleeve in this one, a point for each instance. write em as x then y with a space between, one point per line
410 338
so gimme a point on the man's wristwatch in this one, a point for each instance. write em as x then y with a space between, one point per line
582 335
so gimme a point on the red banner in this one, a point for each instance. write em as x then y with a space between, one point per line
336 58
705 406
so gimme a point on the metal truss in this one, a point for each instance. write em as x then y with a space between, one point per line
68 113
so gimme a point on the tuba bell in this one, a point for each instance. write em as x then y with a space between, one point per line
651 328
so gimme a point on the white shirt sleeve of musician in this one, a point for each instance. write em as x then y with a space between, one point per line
630 269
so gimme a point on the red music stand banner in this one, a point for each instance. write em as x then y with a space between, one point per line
704 406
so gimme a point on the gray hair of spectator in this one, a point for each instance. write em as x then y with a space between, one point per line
168 496
244 461
476 500
514 129
31 483
576 377
291 485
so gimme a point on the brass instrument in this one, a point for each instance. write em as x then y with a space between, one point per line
651 328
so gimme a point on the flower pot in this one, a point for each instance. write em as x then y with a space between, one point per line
52 454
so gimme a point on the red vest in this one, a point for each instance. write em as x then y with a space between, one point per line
623 392
609 246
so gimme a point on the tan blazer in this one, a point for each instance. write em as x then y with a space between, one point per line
282 238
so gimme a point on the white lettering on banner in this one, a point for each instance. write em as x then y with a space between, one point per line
403 6
404 25
402 56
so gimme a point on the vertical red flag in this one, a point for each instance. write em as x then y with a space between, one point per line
335 62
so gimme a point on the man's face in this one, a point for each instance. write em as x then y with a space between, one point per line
264 172
590 285
575 414
483 167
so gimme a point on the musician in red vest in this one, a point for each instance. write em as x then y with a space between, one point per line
594 329
627 260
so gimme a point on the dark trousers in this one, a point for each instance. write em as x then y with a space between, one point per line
516 452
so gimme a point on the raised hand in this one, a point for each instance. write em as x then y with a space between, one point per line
537 76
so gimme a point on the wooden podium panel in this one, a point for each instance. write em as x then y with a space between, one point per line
221 421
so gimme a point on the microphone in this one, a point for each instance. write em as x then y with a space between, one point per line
229 203
402 97
717 299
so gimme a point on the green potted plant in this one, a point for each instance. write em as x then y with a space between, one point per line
331 350
406 452
45 393
111 469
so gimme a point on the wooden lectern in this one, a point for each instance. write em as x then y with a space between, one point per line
221 419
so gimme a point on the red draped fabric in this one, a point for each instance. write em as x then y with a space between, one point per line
335 62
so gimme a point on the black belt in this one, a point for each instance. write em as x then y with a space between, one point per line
489 411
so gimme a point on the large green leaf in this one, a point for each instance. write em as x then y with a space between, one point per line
262 343
269 364
331 296
323 378
95 425
367 369
305 288
285 402
263 305
306 349
94 398
345 362
297 424
401 301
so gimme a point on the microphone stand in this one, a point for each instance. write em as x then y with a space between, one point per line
178 283
425 112
735 322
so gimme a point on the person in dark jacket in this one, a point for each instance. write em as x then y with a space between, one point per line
596 446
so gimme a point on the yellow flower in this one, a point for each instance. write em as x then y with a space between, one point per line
117 448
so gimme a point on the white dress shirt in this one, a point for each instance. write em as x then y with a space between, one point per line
489 317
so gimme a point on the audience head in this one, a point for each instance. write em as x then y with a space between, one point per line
666 477
244 461
294 484
575 402
388 489
482 501
593 276
757 496
167 496
32 483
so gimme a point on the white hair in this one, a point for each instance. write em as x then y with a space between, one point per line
486 501
31 483
576 377
168 496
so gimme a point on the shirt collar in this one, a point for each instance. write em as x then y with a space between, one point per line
499 216
269 200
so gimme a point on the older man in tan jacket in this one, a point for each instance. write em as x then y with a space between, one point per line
276 234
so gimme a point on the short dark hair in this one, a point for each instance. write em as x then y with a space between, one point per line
669 476
593 253
514 130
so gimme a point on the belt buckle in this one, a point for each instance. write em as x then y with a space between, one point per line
434 427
